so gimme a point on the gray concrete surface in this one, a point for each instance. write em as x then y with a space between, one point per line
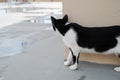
43 60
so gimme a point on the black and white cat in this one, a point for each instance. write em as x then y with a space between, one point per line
78 39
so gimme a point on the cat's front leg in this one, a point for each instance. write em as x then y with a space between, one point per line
75 57
69 59
117 69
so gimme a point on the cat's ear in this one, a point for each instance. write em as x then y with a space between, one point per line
53 22
53 19
65 18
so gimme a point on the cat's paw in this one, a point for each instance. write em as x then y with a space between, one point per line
117 69
73 67
66 63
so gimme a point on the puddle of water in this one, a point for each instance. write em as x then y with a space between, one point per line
10 47
13 46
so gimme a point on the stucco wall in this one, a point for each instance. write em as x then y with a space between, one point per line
93 12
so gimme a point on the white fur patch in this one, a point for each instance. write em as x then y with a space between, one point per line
117 69
73 67
67 23
66 63
70 39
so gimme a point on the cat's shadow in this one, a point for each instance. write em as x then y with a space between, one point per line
83 77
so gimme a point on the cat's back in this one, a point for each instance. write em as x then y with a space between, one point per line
96 31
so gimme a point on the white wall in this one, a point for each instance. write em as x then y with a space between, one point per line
93 12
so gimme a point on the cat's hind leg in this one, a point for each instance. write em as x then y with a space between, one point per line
117 69
69 59
75 56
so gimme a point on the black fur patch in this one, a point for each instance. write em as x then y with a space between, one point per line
99 38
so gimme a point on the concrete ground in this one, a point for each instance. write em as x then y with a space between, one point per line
43 59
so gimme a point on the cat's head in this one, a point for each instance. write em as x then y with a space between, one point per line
59 24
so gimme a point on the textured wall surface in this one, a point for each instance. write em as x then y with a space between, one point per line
93 12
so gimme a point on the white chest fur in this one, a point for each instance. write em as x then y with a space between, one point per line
70 38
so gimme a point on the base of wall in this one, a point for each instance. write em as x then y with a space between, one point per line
96 58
